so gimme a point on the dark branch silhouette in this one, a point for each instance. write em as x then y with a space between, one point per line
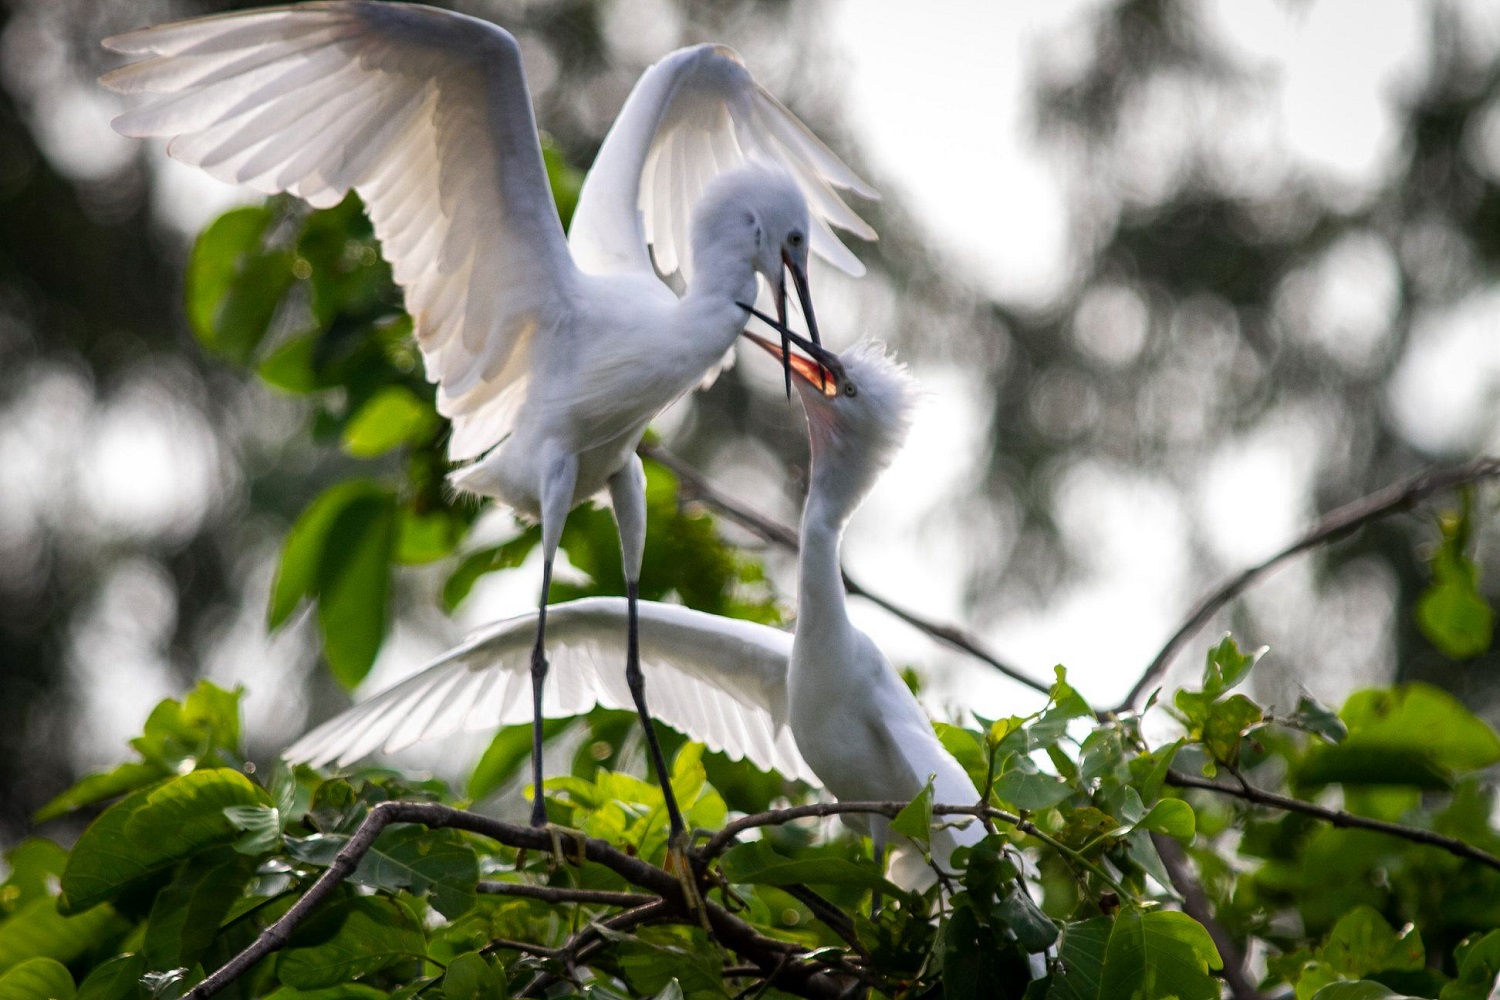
1337 817
1333 526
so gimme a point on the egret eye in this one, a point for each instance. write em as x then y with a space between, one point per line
849 389
794 240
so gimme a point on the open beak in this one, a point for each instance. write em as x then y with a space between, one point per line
804 298
824 375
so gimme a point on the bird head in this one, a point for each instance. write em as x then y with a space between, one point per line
766 214
859 406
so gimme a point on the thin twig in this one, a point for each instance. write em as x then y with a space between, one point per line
779 534
1196 904
590 939
1337 817
1335 525
560 894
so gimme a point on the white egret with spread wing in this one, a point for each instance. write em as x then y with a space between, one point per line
822 704
550 355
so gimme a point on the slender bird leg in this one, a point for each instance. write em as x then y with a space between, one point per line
557 498
876 899
627 493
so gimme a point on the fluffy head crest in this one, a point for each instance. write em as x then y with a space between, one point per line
855 437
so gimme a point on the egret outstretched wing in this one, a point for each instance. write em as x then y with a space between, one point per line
426 114
720 681
692 116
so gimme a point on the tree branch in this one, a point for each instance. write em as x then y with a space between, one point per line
1337 817
1333 526
796 974
699 488
1196 904
561 894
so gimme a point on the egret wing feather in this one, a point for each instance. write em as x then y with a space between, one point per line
422 111
718 680
693 115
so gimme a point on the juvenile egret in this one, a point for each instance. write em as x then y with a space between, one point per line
550 356
822 704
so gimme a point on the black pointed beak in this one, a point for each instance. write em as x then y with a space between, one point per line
804 296
821 367
786 347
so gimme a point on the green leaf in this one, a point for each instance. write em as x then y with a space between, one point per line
202 728
1362 942
1226 725
117 979
1172 817
1082 960
423 862
1478 959
354 578
1451 612
392 417
1319 720
350 939
233 286
1159 954
186 915
126 777
37 929
1225 666
1150 770
757 863
302 553
37 979
425 536
261 826
149 831
470 977
1025 787
915 820
35 864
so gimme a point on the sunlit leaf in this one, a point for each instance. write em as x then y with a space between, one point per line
915 820
1172 817
392 417
354 579
37 979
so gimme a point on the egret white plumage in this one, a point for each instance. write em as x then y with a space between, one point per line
550 356
822 704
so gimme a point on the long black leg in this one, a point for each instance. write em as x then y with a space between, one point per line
538 678
637 682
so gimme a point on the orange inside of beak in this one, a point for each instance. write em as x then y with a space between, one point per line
806 369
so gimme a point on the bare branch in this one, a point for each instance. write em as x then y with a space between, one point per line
1337 817
699 488
1333 526
1196 904
562 894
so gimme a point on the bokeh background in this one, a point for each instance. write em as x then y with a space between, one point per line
1178 277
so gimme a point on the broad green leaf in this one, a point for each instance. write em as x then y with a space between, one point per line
1318 720
1226 724
757 863
38 930
425 536
149 831
186 915
423 862
354 991
126 777
261 826
1082 959
234 286
292 366
1150 770
117 979
1025 787
1172 817
1478 959
915 820
1362 942
349 939
37 979
1034 930
302 554
35 864
1159 954
1414 721
392 417
470 977
354 577
204 727
507 752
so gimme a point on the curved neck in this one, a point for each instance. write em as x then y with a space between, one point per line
821 603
